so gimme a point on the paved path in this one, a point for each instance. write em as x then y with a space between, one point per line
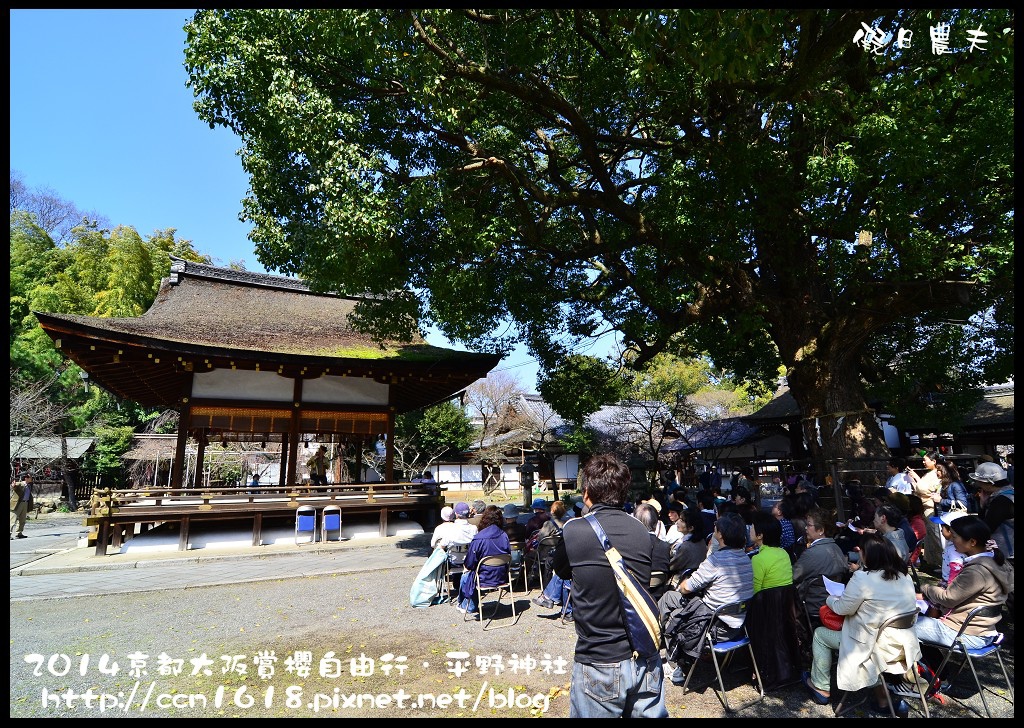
49 563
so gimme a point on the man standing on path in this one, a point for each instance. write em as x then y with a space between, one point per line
21 501
608 681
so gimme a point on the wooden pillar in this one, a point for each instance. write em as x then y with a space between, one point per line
293 433
178 465
201 438
357 477
389 452
285 460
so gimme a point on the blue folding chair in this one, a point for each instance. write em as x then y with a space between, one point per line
305 523
725 649
330 520
968 655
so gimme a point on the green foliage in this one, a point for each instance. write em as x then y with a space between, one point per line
695 180
424 435
579 440
111 444
936 383
694 390
96 272
445 428
579 386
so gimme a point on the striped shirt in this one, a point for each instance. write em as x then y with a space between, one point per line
724 577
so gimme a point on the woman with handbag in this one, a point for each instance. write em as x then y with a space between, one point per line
879 590
953 496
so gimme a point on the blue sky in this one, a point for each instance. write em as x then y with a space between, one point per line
101 115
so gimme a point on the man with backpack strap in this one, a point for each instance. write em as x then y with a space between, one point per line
608 679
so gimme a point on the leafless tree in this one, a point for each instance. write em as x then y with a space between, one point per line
636 426
33 413
409 456
54 214
18 190
487 403
539 424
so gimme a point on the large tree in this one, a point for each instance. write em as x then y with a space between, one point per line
768 186
94 271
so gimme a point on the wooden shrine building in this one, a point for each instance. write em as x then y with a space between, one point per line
245 356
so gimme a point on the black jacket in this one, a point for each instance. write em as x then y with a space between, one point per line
600 632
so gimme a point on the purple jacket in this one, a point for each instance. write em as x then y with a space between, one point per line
492 541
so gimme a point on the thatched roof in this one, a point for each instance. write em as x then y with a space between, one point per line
994 410
207 318
782 409
202 305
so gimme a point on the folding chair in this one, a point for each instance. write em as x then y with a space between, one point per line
565 606
659 580
541 556
518 566
811 619
305 522
500 588
900 621
969 654
726 649
454 567
330 520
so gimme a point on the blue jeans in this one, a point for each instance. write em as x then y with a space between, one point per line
929 629
627 689
557 590
467 602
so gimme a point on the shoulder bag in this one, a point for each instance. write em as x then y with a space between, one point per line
829 619
639 610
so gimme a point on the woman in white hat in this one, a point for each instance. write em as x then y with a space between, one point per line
995 493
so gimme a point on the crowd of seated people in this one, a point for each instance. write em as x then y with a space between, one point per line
777 558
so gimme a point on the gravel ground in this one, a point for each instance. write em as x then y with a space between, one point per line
352 616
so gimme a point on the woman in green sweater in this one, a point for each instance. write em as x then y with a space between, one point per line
772 616
772 565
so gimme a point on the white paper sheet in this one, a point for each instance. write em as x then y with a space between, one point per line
834 588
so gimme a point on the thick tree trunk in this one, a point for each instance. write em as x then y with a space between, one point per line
836 421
